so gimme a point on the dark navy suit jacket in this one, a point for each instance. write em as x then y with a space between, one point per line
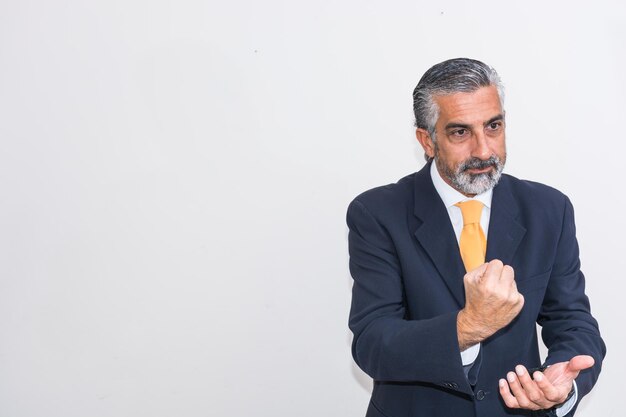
408 289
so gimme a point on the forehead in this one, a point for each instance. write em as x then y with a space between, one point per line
475 107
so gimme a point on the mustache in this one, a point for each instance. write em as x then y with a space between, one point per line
477 163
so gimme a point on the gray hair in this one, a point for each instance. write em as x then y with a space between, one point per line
448 77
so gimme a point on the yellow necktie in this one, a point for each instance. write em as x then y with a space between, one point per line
472 243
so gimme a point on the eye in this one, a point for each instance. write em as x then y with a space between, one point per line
459 132
494 125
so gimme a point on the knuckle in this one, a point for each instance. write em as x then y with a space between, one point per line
554 399
495 267
560 399
512 298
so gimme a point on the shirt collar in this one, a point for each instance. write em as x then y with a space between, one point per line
450 196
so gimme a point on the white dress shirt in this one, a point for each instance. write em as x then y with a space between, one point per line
450 197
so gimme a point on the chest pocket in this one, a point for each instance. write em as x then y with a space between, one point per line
538 282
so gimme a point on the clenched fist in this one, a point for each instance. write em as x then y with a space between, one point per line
491 302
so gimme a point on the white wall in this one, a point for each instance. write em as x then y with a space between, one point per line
174 177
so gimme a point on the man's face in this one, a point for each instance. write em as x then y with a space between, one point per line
469 148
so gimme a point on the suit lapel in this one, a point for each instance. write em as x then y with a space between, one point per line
437 237
436 234
505 232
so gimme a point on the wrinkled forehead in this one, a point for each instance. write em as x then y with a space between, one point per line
474 107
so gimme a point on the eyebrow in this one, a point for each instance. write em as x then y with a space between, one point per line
494 119
466 126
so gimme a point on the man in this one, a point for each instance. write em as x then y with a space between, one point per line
454 265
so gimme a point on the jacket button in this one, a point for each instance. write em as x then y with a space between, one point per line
480 395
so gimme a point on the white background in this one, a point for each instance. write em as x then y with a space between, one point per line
174 177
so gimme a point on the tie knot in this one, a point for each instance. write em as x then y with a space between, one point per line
471 211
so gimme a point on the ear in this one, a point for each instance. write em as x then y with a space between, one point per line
423 137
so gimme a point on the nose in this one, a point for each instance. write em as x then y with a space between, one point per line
481 147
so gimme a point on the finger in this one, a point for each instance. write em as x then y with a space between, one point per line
512 288
532 391
580 362
506 395
516 388
552 393
519 392
476 273
507 274
516 302
493 270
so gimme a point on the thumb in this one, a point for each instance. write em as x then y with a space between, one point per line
580 362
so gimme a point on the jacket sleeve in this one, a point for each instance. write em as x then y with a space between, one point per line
568 328
386 345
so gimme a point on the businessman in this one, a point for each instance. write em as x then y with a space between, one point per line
454 265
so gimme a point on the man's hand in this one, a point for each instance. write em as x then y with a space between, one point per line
491 302
548 389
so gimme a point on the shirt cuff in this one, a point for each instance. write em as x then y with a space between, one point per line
567 406
469 355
